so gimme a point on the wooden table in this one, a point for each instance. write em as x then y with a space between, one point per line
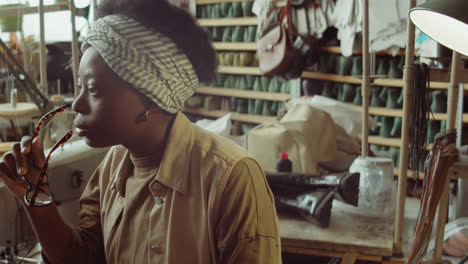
351 235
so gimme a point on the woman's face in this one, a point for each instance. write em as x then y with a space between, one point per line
106 108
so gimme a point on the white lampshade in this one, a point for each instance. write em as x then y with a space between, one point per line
445 21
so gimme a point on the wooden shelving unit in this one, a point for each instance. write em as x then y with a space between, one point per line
207 2
331 77
249 46
239 70
243 93
252 119
236 93
222 22
378 82
382 111
337 49
409 173
387 141
400 83
438 81
384 141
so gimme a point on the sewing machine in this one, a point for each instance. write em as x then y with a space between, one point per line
70 168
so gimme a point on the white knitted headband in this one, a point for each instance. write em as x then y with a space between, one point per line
148 60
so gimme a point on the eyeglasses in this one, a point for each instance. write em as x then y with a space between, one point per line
36 195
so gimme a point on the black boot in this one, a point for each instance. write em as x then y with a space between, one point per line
315 206
345 184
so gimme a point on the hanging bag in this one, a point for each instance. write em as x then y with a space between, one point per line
275 47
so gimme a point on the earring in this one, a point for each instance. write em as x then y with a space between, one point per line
143 116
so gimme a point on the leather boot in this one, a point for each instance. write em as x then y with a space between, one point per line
281 111
323 62
358 96
393 99
217 33
395 153
396 129
238 34
247 8
311 87
204 11
329 90
315 206
348 92
376 130
230 11
210 11
438 102
257 86
246 59
212 102
432 129
250 80
332 64
345 184
443 125
250 34
242 106
227 34
386 125
339 89
241 83
236 9
394 72
265 83
258 109
285 88
344 65
356 70
230 82
268 108
224 9
274 85
382 66
220 79
251 109
376 100
216 11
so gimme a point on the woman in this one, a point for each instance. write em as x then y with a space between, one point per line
167 192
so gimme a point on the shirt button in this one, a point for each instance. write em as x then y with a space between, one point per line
156 186
157 249
158 200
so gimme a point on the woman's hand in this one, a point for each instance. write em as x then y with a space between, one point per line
456 245
24 160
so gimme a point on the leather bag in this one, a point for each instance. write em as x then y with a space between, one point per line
275 47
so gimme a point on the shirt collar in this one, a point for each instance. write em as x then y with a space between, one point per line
174 168
121 174
175 163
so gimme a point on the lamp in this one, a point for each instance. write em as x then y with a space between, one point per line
445 21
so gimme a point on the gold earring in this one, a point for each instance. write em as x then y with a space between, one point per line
143 116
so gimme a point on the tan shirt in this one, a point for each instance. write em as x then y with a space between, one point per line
209 202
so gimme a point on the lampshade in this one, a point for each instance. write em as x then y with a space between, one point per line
445 21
